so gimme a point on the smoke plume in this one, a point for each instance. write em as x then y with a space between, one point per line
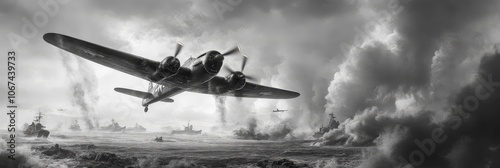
279 132
82 81
220 107
420 86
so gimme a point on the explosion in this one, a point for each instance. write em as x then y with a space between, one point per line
421 87
252 133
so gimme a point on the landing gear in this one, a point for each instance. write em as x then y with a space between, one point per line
146 109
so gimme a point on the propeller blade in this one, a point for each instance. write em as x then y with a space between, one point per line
231 51
244 63
228 69
250 78
178 49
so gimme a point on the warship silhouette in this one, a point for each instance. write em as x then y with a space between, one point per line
113 127
75 126
137 128
36 128
187 130
331 125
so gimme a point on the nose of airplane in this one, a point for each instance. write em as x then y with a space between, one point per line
219 57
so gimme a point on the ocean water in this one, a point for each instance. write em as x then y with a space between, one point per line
204 149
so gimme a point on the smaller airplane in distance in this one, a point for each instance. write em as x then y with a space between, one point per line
279 111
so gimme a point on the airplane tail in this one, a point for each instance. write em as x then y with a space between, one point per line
146 97
151 87
134 93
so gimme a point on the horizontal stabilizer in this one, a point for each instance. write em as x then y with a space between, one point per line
140 94
168 100
134 93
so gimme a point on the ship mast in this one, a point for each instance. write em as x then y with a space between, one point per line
39 117
332 119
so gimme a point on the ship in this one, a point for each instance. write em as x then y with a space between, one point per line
158 139
331 125
36 128
137 128
75 126
187 130
113 127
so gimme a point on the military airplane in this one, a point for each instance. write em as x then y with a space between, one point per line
168 78
278 111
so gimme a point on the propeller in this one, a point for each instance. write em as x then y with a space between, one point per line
231 51
178 49
243 64
228 69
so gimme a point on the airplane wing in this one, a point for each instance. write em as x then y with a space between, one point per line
250 90
253 90
124 62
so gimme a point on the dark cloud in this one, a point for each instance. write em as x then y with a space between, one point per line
296 9
422 23
399 84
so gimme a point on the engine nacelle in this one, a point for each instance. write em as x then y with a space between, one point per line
213 62
236 81
166 68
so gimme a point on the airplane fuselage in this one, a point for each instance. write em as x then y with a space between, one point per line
195 71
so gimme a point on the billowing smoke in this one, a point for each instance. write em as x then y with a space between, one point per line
464 138
220 107
251 132
416 87
82 81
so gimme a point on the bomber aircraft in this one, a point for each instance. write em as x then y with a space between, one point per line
278 111
167 77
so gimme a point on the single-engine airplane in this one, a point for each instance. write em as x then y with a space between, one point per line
168 78
279 111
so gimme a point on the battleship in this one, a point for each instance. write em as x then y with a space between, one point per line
75 126
36 128
158 139
113 127
331 125
187 130
137 128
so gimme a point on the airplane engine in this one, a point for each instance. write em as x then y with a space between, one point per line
167 67
236 81
213 62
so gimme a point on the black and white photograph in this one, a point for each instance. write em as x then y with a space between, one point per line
250 84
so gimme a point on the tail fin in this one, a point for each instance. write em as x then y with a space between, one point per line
151 87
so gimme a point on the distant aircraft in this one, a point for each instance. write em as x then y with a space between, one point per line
168 78
278 111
